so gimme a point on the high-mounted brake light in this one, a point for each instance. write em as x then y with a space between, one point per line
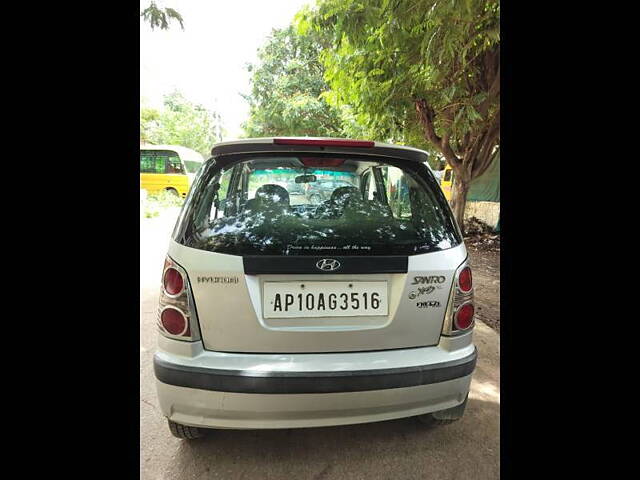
176 315
324 142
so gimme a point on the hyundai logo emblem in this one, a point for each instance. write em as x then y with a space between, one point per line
328 265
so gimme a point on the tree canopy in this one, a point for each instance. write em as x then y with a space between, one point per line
181 122
423 72
160 17
288 91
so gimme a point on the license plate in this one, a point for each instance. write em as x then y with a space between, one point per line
324 299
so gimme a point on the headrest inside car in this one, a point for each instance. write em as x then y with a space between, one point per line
271 193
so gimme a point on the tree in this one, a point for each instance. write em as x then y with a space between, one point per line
181 122
149 118
160 17
288 88
418 69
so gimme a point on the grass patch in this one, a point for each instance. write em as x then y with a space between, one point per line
157 202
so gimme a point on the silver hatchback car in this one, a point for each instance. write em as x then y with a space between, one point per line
276 312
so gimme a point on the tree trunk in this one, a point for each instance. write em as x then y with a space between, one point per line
476 151
459 199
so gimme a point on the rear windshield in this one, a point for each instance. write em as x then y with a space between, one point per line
192 166
299 205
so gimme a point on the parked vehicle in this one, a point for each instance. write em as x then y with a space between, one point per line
447 181
168 168
294 188
321 190
280 316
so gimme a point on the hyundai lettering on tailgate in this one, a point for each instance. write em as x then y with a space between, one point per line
324 299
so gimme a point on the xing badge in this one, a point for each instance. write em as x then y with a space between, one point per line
428 304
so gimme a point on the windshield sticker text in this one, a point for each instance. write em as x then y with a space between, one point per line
328 247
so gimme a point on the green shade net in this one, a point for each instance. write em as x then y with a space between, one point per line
486 188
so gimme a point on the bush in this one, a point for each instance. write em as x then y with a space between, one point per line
157 202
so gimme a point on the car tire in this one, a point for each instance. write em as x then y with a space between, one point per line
315 199
430 421
173 191
185 432
444 417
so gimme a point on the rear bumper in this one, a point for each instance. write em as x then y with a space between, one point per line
290 398
298 382
204 408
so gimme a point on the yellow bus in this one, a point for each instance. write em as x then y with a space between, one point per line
168 167
447 181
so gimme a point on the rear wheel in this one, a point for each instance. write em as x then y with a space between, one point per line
184 431
172 191
430 421
443 417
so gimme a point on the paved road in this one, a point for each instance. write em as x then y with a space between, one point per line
397 449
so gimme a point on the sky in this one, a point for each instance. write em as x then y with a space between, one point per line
206 61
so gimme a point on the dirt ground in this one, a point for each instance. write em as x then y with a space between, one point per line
484 252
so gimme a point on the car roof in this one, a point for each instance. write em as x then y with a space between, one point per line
185 153
267 144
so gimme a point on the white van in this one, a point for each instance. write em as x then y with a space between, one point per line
273 315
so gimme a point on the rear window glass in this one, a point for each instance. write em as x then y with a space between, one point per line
192 166
294 205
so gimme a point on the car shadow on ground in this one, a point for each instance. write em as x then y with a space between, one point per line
401 448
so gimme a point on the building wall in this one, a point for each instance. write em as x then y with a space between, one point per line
488 212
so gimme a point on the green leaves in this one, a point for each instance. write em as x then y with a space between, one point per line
288 87
181 122
380 58
160 17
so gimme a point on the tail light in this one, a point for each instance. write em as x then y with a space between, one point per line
176 313
459 317
464 280
173 281
463 318
173 321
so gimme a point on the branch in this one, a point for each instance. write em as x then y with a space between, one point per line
493 93
485 155
426 116
157 17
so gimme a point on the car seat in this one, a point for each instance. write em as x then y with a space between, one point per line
334 207
269 198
